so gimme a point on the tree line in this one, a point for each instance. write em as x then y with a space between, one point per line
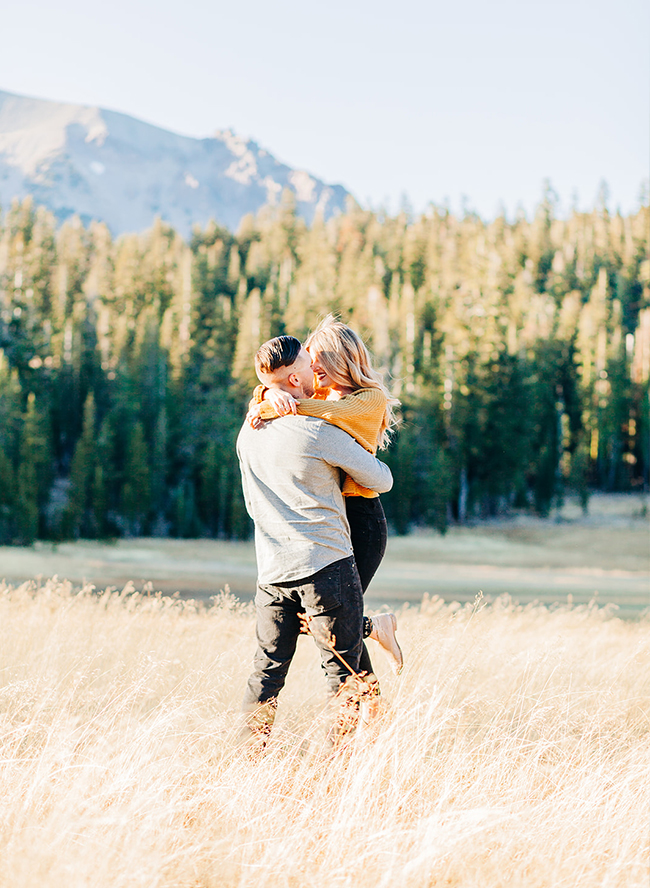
520 351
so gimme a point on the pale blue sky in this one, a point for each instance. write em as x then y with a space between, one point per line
435 100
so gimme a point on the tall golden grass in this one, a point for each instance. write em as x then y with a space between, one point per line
515 750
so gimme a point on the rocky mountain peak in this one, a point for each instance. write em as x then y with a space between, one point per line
104 165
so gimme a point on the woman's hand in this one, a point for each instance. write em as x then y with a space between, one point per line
283 402
253 417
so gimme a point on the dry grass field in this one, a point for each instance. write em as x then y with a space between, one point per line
514 750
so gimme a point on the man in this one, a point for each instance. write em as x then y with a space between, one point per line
291 477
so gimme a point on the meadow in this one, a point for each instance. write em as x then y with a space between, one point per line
604 555
513 750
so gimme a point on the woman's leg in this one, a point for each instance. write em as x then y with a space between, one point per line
369 534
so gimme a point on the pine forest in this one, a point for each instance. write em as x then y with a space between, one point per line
520 352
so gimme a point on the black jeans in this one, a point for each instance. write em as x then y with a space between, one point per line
333 598
369 535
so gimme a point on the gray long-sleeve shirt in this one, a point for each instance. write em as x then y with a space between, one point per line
291 476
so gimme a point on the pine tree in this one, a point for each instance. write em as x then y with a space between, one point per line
159 473
136 493
33 474
8 500
79 518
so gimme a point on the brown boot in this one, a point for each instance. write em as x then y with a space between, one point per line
370 705
254 733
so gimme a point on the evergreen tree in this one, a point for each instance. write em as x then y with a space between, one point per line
136 493
79 519
8 500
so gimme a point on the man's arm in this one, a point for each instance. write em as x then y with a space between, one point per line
339 449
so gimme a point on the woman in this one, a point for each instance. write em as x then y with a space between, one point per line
351 395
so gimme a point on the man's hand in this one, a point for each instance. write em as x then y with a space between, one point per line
253 417
283 402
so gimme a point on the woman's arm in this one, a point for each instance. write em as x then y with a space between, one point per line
359 414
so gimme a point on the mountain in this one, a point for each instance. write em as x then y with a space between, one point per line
99 164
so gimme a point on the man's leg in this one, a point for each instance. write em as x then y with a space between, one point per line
333 600
277 630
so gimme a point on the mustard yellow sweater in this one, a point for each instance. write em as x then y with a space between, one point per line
359 414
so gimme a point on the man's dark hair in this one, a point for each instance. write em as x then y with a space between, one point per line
279 352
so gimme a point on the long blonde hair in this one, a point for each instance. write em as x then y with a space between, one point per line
347 362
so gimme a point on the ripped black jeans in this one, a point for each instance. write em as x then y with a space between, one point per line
333 599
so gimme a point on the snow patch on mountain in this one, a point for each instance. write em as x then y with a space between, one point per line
303 185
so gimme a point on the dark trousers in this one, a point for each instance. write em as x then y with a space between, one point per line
369 534
333 599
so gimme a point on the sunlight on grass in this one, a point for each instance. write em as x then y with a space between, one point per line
513 750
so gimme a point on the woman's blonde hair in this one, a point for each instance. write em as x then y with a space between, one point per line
347 362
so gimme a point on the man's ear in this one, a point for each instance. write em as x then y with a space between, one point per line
293 380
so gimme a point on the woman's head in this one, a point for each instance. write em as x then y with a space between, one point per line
341 361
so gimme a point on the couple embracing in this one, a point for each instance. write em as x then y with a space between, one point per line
311 484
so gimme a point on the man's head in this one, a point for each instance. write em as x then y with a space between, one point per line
284 364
